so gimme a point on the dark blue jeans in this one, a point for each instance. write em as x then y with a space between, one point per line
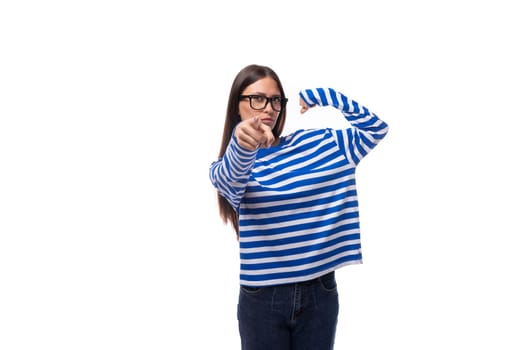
298 316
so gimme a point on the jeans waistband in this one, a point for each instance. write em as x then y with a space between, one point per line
312 281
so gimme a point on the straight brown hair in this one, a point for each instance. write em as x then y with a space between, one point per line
247 76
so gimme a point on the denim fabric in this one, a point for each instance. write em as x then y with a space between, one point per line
298 316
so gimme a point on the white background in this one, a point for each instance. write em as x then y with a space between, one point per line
112 111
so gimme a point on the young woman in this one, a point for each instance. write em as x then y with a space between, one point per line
292 201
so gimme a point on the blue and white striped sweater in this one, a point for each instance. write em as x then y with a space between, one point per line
297 202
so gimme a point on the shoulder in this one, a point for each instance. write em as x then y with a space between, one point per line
301 135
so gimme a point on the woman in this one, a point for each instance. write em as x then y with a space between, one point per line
293 203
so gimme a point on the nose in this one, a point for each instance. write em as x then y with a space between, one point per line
268 108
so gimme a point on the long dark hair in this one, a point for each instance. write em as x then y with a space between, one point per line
247 76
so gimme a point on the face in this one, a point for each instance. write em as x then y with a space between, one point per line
263 88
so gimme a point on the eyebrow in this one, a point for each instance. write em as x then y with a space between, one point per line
262 94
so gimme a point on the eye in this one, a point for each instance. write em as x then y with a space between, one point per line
259 99
276 99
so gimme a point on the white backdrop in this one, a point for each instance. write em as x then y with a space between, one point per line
112 111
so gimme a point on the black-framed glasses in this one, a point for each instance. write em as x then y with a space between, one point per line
259 102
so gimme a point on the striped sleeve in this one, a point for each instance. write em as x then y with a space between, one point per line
366 128
230 173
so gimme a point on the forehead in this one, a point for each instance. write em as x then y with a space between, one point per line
265 85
